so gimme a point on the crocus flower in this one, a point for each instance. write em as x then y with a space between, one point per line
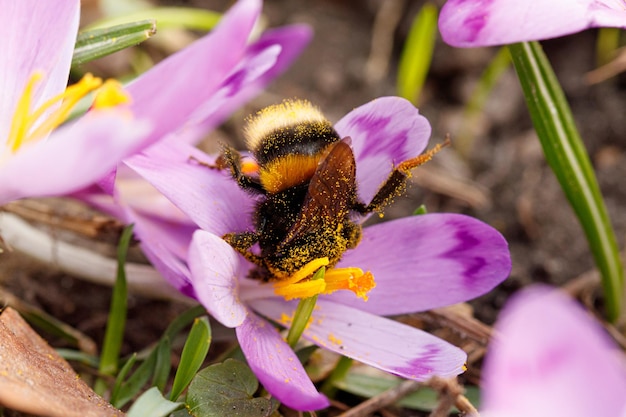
419 262
471 23
187 92
38 41
551 358
218 74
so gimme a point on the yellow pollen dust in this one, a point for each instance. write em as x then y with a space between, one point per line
299 285
29 125
287 171
285 319
249 167
279 116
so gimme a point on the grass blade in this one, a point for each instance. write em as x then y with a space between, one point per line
568 158
417 53
114 333
96 43
195 350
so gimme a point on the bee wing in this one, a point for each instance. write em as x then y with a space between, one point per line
331 192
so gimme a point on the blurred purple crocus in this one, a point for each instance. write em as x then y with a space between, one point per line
419 262
551 358
195 90
37 45
191 91
472 23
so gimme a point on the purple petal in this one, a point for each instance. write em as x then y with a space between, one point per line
211 198
96 198
384 132
552 359
214 269
264 60
277 366
36 35
427 261
72 158
165 245
607 13
470 23
376 341
171 91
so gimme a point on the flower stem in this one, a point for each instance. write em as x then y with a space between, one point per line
568 158
303 313
607 45
339 373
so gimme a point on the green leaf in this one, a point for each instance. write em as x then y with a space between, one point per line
167 17
368 386
128 389
96 43
151 403
420 210
77 356
163 364
226 389
183 320
114 332
568 158
53 326
123 372
194 352
339 373
417 53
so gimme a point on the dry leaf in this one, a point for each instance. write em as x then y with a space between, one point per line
35 379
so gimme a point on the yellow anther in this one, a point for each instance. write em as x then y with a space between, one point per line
23 128
20 118
299 286
111 94
304 289
352 279
69 98
303 273
29 125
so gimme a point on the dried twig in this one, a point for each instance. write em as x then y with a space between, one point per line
384 399
466 326
387 18
438 180
449 392
613 68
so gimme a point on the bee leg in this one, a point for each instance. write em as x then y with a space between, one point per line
352 233
396 182
231 159
242 242
219 163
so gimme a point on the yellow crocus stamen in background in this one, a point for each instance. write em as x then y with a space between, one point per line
109 95
23 128
300 286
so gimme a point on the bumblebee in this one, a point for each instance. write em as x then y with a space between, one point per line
306 178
